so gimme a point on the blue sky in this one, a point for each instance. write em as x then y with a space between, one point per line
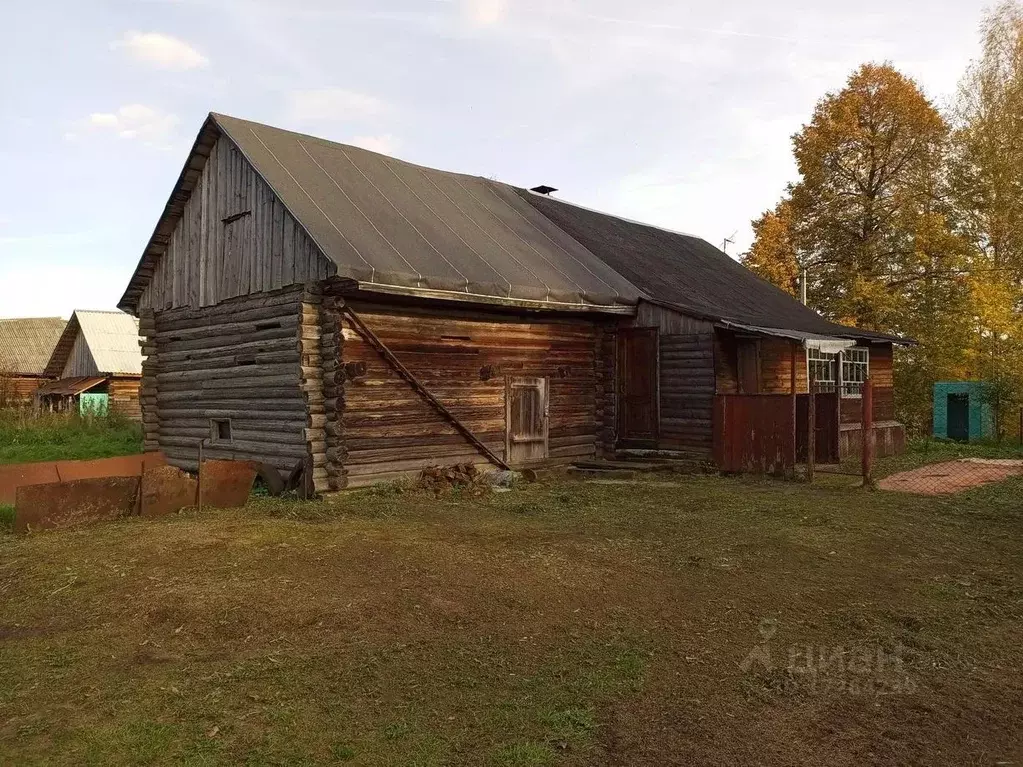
674 113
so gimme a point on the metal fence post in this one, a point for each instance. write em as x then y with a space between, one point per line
811 426
867 431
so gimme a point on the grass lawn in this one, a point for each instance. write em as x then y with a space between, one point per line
61 437
708 621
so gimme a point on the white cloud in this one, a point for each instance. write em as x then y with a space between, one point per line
132 121
384 144
162 51
485 13
333 104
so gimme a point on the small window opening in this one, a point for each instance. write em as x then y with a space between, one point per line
245 359
268 325
456 338
220 430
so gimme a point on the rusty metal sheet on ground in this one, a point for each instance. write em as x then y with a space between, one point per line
165 490
227 484
120 466
19 475
70 504
44 472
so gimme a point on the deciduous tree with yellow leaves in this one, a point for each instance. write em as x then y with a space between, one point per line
912 224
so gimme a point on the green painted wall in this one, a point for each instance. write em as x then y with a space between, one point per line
982 422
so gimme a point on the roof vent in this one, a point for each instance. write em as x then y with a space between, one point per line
543 189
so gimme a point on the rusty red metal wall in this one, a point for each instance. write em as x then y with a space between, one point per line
827 444
753 433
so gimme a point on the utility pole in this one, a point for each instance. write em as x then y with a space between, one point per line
802 286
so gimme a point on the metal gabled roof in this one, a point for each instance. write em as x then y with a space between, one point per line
27 344
112 339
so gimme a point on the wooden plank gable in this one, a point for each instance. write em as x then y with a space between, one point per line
234 237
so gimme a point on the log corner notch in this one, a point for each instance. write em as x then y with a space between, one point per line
148 388
333 390
381 348
314 356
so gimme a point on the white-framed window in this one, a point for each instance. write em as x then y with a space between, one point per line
855 367
822 369
844 371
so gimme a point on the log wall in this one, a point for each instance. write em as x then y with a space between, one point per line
242 360
687 393
234 238
685 377
606 416
388 429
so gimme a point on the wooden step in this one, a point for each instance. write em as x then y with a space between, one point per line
584 473
627 465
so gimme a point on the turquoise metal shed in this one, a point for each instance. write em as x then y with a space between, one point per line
961 412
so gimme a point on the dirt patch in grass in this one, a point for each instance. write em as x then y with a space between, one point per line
952 476
710 622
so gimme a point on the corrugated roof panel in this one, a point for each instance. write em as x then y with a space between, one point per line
26 344
113 339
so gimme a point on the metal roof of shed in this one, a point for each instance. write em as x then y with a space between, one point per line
112 338
26 344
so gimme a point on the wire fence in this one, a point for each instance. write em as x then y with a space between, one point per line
851 433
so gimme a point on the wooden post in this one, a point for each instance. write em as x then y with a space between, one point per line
199 480
811 427
795 432
867 431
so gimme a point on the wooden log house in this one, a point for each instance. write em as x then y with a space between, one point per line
302 301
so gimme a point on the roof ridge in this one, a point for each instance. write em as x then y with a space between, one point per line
620 218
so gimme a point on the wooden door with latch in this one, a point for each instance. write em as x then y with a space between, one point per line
526 419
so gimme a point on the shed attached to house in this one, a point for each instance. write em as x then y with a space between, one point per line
306 302
97 355
25 348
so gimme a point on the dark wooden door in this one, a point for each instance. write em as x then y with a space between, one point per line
526 419
637 393
748 363
958 414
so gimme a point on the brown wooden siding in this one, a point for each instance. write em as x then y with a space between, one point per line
124 396
726 373
686 392
18 390
211 258
776 366
389 429
668 321
241 360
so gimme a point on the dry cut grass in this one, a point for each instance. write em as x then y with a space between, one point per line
708 621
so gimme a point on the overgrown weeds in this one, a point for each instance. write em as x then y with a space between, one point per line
28 436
